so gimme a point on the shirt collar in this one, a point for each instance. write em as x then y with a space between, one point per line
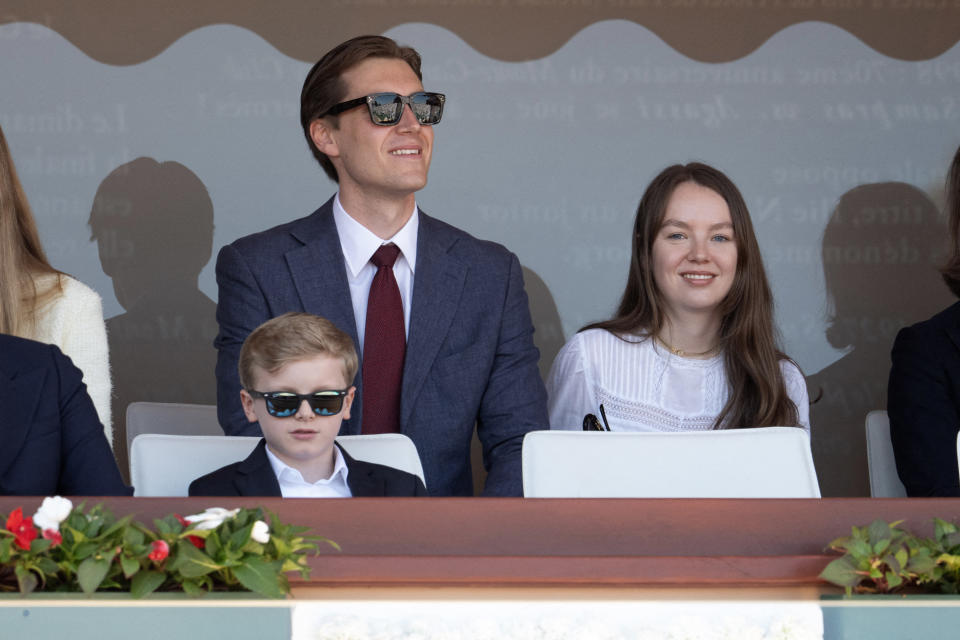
359 243
285 472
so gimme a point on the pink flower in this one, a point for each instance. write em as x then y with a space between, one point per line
54 536
22 528
160 551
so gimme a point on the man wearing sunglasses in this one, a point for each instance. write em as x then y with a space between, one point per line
440 318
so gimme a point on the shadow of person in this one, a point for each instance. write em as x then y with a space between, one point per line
153 223
881 250
547 328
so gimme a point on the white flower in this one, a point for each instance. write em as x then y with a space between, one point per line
212 517
52 512
260 532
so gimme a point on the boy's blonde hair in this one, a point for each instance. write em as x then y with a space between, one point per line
291 337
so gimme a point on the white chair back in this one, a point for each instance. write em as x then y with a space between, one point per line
769 462
884 481
171 418
391 449
165 465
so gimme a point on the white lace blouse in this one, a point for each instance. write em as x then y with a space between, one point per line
644 387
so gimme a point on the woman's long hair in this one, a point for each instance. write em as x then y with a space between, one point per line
758 395
951 270
22 258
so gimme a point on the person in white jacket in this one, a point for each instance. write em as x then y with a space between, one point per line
39 302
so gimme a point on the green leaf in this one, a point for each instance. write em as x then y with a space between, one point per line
133 536
39 545
881 546
891 562
191 562
145 583
260 576
91 573
212 546
129 565
240 537
921 564
860 548
26 579
47 565
85 550
893 580
880 530
902 556
192 588
842 572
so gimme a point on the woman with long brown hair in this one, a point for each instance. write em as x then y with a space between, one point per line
692 345
41 303
923 396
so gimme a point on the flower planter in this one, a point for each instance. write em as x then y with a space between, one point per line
893 617
117 616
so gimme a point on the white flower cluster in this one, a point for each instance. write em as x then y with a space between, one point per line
51 513
213 517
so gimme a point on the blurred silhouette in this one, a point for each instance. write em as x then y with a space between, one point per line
153 223
881 250
548 330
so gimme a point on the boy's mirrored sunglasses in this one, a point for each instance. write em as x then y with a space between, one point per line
386 109
283 404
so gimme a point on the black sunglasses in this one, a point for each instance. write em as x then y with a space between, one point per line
386 109
283 404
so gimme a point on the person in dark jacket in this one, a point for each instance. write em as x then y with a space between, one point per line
295 371
923 395
53 440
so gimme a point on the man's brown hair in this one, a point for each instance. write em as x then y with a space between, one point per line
324 88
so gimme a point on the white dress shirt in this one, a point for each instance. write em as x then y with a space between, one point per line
359 244
644 387
292 484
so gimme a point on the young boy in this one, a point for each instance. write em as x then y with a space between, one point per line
296 371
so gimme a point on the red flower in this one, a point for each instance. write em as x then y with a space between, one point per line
54 535
160 551
22 528
197 541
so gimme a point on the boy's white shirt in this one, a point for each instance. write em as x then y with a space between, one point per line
292 484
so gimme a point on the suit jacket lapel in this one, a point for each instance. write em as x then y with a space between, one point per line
320 276
437 287
362 484
20 395
255 476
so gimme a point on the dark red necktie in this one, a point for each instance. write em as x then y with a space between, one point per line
384 345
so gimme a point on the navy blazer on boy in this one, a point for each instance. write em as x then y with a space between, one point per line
254 476
923 402
53 441
470 356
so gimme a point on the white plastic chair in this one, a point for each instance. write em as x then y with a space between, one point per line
165 465
884 481
769 462
172 418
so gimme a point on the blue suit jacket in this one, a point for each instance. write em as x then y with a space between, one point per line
923 402
470 355
53 441
254 476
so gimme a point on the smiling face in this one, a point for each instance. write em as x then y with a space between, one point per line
375 161
694 252
304 440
